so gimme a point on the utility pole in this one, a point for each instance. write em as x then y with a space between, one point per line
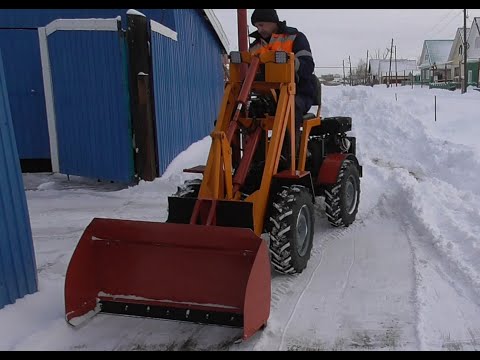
396 73
390 67
366 69
465 44
351 82
343 64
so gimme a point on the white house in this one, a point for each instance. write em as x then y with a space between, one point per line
455 58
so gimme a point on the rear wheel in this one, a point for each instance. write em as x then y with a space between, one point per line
290 227
342 199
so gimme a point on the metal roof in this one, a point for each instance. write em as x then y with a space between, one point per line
378 66
438 50
218 28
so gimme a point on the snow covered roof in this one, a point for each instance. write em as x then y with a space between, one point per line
381 66
400 65
438 51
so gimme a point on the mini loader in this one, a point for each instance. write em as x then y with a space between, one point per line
208 262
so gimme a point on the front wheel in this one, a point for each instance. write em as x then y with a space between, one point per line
290 227
342 198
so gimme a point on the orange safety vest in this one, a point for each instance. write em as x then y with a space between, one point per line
278 42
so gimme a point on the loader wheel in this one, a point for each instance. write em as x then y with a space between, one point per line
189 188
342 199
290 227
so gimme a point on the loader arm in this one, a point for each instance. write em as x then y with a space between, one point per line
223 178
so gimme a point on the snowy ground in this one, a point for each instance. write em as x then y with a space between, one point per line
404 276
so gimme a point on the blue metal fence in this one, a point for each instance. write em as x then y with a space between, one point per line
18 275
23 73
90 91
19 41
188 84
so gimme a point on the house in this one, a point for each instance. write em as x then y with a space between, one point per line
473 53
74 77
455 58
383 71
433 61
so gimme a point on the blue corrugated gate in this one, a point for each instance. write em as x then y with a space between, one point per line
90 99
188 84
21 57
25 90
18 275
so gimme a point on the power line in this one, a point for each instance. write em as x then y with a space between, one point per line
454 18
436 24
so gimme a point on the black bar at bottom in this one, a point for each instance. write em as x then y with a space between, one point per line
162 312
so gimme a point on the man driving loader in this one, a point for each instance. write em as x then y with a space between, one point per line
273 34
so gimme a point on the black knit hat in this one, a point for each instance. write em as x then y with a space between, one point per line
264 15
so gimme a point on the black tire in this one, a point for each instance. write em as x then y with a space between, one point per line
342 199
189 188
291 228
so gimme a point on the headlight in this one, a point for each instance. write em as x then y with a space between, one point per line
236 57
280 57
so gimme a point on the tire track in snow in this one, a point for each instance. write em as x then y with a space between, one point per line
440 277
349 270
299 283
298 301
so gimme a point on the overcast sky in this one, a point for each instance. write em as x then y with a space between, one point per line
336 34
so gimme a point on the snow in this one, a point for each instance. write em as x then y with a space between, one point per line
404 276
80 319
135 12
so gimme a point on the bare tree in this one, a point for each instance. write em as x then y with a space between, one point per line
360 71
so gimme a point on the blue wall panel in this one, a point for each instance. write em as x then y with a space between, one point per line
91 104
23 72
18 275
188 84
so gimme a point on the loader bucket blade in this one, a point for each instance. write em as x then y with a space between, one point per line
206 274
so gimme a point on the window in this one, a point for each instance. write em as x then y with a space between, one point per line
477 43
460 50
470 76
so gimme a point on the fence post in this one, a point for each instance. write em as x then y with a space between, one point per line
143 125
